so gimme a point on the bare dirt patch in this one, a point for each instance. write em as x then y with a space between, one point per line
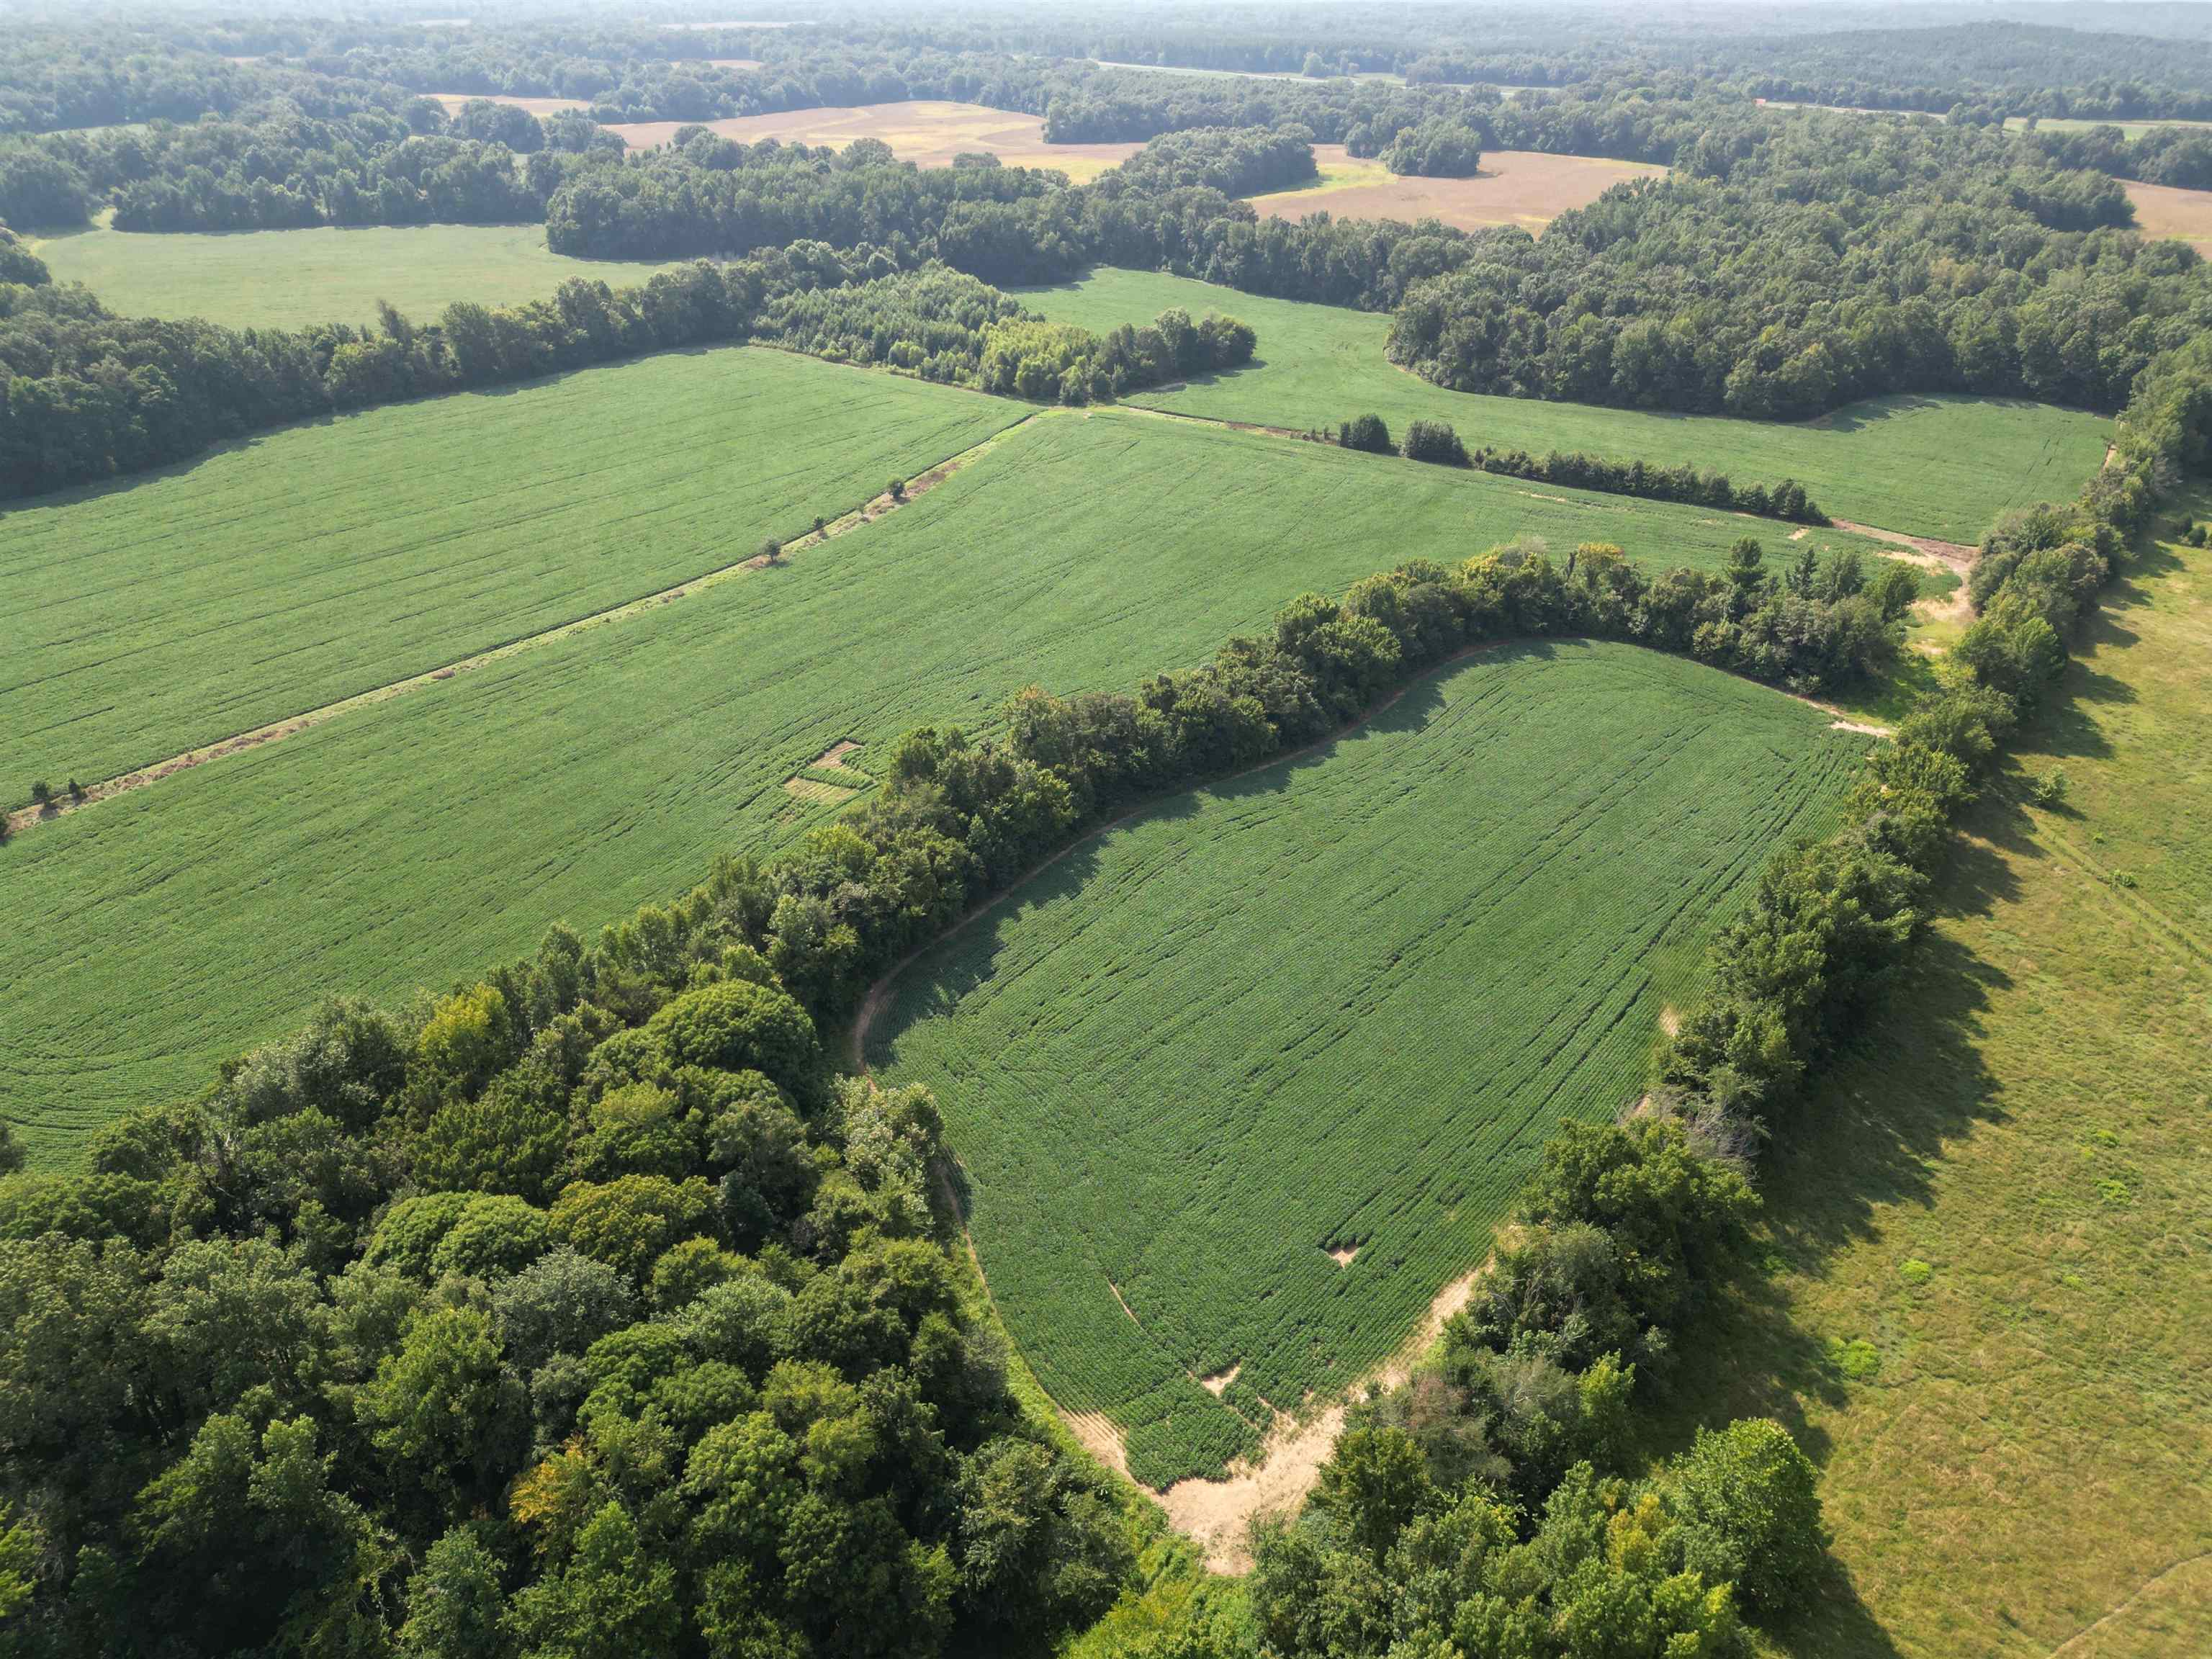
1216 1515
453 100
1916 549
1515 187
1100 1438
1670 1020
1217 1384
928 133
1342 1254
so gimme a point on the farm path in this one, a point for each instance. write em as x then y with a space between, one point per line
293 725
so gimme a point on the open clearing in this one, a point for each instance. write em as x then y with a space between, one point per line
1942 467
928 132
150 936
2004 1194
453 100
2165 211
1146 1055
291 278
154 617
1526 188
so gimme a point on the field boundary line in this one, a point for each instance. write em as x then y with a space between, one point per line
2129 1600
867 513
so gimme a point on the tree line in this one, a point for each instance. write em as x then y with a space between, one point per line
281 168
86 395
1436 442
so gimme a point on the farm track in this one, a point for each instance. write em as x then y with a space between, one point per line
276 731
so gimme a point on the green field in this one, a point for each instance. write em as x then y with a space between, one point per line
1337 1003
289 278
1929 467
2003 1196
151 934
319 560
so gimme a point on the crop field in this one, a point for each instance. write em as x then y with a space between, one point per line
1526 188
1987 1287
1941 467
927 132
2166 210
154 617
540 106
146 937
1185 1168
291 278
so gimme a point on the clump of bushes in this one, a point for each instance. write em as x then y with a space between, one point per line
1368 433
1433 440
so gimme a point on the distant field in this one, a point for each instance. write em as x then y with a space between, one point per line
1515 187
2164 211
1929 467
925 132
1335 1007
149 936
2001 1195
320 561
289 278
453 100
1383 76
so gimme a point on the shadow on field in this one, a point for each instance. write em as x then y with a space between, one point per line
1870 1137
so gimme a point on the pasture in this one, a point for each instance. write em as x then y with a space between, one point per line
2001 1194
1240 1085
1526 188
1941 467
928 132
146 937
157 616
293 278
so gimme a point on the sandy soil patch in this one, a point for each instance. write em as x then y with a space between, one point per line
1215 1515
2165 211
1342 1254
1217 1384
453 100
1916 549
1515 187
929 134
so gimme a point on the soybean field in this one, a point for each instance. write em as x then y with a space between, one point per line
1240 1084
294 278
1937 466
320 561
151 934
